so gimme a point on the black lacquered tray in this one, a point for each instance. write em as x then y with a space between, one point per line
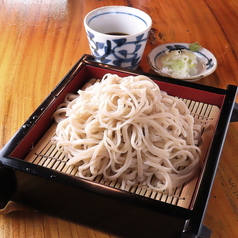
34 173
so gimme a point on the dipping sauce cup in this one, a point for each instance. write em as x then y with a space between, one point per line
117 35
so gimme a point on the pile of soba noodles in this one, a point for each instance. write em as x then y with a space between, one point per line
127 129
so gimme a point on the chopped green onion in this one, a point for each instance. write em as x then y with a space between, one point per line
179 63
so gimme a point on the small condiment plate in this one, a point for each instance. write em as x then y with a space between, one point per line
207 62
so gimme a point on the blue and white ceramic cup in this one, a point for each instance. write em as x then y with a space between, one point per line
117 35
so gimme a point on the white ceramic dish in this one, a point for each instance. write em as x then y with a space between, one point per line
207 62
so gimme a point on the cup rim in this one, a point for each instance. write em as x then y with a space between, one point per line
149 22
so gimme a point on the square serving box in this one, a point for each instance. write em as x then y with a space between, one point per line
34 173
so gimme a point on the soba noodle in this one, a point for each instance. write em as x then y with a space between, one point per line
128 129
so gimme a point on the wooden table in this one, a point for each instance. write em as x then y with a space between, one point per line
41 40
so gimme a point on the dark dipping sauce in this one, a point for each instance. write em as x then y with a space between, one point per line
116 33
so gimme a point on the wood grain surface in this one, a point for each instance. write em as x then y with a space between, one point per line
41 40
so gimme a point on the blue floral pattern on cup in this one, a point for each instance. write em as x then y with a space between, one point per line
119 52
